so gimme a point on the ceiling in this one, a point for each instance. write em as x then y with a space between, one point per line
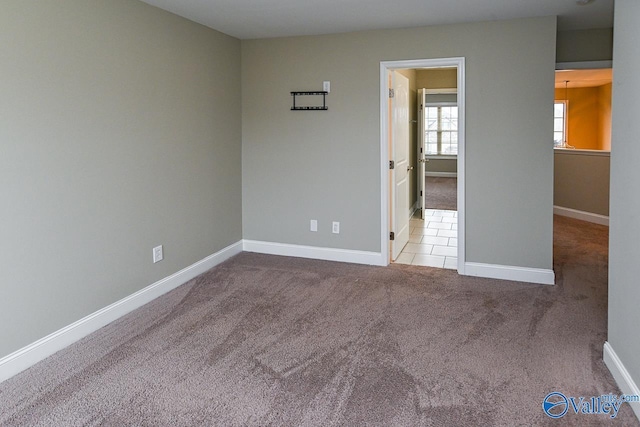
583 78
249 19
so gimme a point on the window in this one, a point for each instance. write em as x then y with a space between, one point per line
559 123
441 129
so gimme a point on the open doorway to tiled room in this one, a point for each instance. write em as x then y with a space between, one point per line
433 242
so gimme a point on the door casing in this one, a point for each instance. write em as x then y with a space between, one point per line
385 68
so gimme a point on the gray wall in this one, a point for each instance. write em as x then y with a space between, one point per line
581 181
119 131
585 45
326 165
624 251
442 165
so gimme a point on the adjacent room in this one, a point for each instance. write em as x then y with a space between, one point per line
582 143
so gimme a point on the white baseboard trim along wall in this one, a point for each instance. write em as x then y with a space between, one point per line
582 215
22 359
313 252
505 272
621 375
491 271
442 174
28 356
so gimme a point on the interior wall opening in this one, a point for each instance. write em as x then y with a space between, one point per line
582 143
436 136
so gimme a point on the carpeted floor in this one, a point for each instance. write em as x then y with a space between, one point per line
441 193
265 340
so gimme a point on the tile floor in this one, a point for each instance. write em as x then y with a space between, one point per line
433 242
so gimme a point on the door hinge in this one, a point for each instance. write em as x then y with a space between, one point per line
392 236
392 164
392 93
421 194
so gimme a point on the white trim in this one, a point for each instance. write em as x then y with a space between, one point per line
583 65
582 215
580 151
384 164
28 356
385 67
440 91
621 375
506 272
442 174
314 252
442 104
441 157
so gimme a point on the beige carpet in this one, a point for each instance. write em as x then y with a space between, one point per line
441 193
264 340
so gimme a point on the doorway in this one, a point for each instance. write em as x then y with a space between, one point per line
389 207
438 138
582 142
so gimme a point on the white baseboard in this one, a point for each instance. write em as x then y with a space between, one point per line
415 206
582 215
583 65
505 272
621 375
442 174
312 252
28 356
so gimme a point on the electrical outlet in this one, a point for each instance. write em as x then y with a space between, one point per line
157 254
326 86
336 227
313 225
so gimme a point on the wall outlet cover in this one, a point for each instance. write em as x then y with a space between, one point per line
158 254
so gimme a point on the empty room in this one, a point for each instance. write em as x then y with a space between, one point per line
204 205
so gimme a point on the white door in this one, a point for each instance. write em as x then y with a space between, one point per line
421 155
401 172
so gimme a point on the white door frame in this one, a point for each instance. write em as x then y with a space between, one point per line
421 154
385 68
